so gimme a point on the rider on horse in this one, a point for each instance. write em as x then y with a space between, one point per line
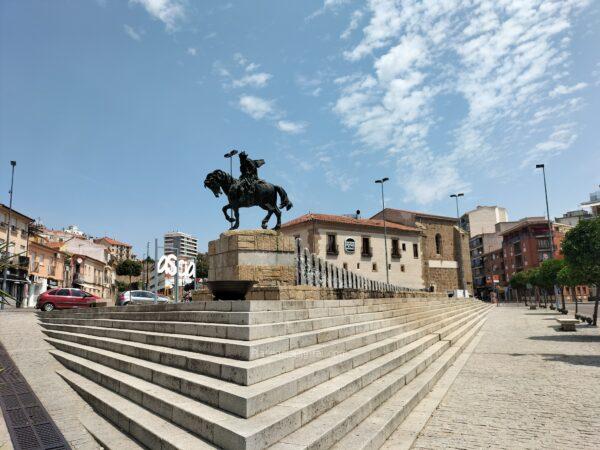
249 172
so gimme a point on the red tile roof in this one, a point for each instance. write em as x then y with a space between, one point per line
111 241
54 245
335 219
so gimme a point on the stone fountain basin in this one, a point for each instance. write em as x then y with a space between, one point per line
229 289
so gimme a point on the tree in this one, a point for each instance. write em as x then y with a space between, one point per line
532 277
570 278
518 283
130 268
548 273
202 265
581 248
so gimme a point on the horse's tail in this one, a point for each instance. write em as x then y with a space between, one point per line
285 201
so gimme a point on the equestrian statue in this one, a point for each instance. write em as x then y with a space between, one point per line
248 191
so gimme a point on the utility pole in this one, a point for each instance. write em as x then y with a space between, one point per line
460 253
387 269
176 275
5 275
146 262
155 286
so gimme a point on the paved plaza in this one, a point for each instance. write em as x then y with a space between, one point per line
526 385
523 385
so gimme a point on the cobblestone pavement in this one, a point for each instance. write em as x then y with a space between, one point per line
526 385
21 336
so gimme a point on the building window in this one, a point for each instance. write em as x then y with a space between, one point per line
374 267
396 248
345 266
366 247
438 244
404 246
416 250
358 265
389 267
402 268
332 248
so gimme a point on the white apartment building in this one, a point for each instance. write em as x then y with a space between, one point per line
483 219
181 244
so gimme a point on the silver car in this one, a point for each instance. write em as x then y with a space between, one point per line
139 298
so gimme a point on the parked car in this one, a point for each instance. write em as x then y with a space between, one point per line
65 298
139 298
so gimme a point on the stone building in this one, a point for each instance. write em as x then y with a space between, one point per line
93 275
46 268
118 251
17 284
445 248
358 245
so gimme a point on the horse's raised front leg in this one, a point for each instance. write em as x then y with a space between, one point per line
278 215
266 219
224 209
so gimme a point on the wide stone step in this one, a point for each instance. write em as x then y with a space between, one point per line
229 431
151 430
245 350
243 372
248 401
254 332
372 432
413 379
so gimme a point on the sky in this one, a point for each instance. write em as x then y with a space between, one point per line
115 110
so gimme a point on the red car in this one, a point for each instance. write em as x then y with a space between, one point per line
65 298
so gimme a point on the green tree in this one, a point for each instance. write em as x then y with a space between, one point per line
202 265
130 268
518 282
548 273
581 248
570 278
532 277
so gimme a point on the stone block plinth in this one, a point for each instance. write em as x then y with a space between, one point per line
264 256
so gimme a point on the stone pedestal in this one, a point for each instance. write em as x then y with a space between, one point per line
264 256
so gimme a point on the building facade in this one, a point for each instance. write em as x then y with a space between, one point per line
93 275
527 243
593 204
180 244
17 233
572 218
359 245
46 269
445 248
495 276
117 251
483 219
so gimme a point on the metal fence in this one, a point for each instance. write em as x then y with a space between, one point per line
313 270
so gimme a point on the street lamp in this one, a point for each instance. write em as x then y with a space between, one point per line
229 155
550 233
5 275
387 271
460 253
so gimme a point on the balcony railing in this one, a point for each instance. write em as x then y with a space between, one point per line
396 253
367 252
332 249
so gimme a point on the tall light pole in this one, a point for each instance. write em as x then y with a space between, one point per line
229 155
460 253
550 233
12 180
387 270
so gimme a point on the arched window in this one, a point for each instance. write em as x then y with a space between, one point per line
438 244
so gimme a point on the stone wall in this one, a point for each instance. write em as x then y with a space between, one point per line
264 256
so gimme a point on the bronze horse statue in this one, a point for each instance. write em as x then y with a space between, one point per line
241 194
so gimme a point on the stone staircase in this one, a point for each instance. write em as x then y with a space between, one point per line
259 374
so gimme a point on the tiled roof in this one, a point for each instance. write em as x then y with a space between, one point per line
112 241
335 219
393 213
54 245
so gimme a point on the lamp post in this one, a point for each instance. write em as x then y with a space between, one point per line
387 271
12 179
550 232
460 253
229 155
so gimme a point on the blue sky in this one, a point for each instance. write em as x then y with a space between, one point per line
115 110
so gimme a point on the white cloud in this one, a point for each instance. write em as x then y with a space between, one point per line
566 90
327 5
288 126
561 138
192 51
501 56
353 25
256 107
170 12
136 36
254 80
